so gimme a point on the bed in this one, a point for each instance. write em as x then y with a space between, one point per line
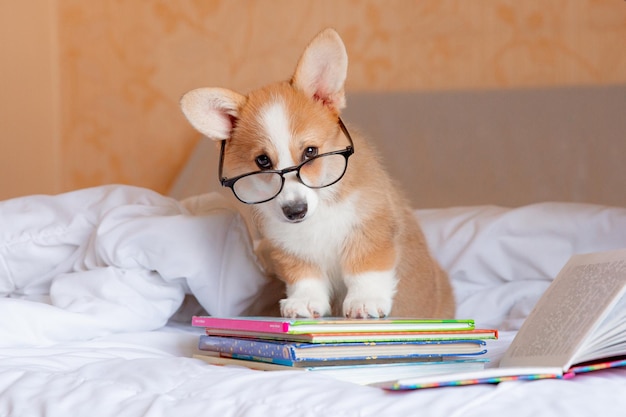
98 287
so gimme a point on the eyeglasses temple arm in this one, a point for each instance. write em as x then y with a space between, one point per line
221 165
345 132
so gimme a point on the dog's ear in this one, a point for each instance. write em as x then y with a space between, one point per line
322 69
212 111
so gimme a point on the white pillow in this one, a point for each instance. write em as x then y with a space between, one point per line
500 260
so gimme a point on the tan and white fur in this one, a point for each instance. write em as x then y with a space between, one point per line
358 241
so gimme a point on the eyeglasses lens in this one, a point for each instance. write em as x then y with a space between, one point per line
258 187
323 171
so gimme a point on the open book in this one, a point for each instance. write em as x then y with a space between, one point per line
578 325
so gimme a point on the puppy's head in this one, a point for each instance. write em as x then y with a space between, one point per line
279 127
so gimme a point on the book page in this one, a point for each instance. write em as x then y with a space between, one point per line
609 338
571 308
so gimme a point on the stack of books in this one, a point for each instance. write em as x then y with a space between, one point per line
361 351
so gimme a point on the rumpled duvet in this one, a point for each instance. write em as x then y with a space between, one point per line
121 259
118 259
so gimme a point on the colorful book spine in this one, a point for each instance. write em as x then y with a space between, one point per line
346 362
495 376
475 381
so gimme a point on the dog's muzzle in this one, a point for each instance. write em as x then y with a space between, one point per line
295 212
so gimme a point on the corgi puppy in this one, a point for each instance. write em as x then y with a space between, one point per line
334 225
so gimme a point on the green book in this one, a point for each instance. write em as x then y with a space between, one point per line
329 324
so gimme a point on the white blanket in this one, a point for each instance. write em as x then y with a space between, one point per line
118 259
88 279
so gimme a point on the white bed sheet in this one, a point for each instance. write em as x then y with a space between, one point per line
150 374
500 260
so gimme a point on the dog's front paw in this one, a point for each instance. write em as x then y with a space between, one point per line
304 307
362 308
370 294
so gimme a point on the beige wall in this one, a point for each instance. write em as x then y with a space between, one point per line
30 147
90 89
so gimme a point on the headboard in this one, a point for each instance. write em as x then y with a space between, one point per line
502 147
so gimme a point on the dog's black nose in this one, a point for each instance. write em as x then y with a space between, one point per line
295 212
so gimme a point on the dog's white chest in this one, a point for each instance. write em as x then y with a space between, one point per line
320 239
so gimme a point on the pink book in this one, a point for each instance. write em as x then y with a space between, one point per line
328 324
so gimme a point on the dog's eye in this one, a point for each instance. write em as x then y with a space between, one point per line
309 153
263 162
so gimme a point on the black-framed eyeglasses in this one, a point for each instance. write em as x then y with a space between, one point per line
316 172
